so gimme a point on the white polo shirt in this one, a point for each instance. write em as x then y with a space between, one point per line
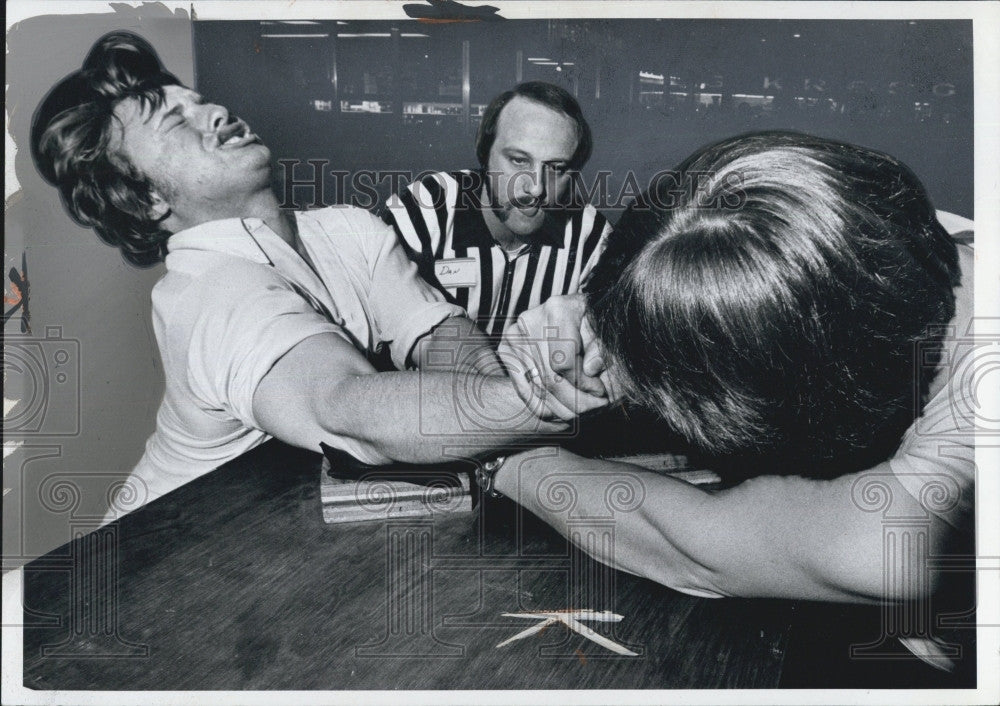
236 298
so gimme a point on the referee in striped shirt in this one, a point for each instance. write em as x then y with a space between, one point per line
503 239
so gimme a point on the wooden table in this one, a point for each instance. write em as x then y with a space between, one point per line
234 582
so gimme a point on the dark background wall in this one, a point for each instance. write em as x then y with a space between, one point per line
904 87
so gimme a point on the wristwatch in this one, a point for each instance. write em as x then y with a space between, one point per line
486 476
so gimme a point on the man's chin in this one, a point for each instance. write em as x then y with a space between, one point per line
261 148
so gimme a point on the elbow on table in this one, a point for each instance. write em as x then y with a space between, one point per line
352 430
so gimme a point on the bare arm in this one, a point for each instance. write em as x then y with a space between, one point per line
457 344
323 389
786 537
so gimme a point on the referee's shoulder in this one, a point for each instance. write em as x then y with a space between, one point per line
395 206
593 223
437 180
436 184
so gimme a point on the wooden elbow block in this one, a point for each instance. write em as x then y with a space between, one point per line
379 497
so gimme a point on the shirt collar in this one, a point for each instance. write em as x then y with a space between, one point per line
252 239
233 236
470 229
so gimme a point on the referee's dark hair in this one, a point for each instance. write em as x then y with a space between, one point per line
71 135
772 312
547 94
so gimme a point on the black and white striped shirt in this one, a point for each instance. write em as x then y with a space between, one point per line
455 252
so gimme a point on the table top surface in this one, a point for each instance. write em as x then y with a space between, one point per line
234 582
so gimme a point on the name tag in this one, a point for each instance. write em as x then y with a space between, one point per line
460 272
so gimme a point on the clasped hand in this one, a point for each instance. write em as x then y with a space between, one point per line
555 360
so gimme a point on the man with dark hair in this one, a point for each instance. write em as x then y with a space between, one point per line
503 239
265 319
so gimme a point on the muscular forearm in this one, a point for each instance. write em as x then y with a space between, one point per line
533 479
776 537
426 417
457 344
323 390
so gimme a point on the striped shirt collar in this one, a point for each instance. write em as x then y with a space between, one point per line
471 231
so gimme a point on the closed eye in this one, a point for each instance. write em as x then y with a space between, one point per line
176 112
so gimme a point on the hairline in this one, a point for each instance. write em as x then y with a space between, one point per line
577 128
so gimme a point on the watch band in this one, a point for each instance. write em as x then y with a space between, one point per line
486 476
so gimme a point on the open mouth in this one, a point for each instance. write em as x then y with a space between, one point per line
236 134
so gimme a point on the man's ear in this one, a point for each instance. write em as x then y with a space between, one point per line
159 208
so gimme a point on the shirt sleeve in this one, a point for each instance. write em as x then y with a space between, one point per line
238 322
404 306
936 460
396 212
414 237
935 463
